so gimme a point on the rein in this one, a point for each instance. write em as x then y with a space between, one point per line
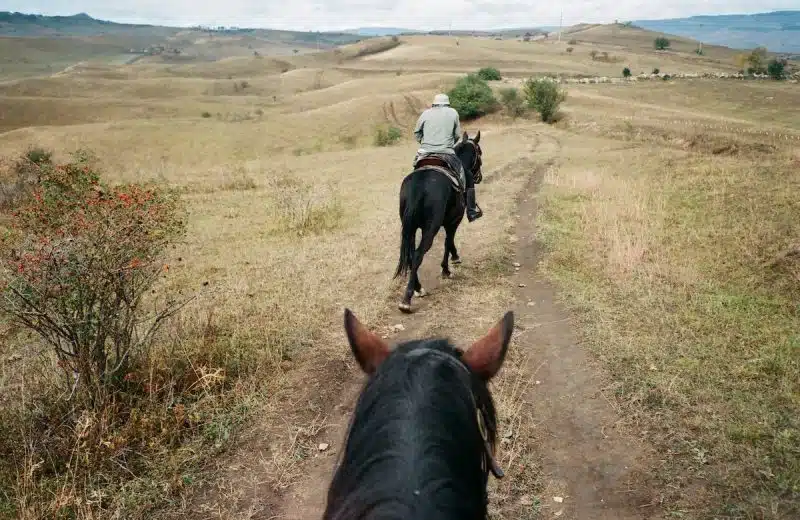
488 460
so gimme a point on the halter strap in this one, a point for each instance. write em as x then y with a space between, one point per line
488 461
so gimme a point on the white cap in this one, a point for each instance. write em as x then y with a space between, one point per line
441 99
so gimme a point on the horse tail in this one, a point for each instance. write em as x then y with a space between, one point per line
408 207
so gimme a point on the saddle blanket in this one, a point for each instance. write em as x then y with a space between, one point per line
456 175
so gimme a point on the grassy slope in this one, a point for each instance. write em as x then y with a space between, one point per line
661 246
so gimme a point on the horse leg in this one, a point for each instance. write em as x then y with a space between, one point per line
449 249
414 288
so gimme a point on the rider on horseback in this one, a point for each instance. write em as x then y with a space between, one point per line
437 131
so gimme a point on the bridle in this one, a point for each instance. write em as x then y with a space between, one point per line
477 161
488 460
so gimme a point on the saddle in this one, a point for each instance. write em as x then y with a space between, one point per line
435 163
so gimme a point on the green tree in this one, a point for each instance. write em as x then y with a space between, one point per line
544 96
489 74
472 97
661 43
776 69
512 102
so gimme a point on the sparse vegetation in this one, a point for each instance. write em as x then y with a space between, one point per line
608 241
661 43
206 114
544 97
569 50
626 72
573 41
472 97
656 70
513 102
489 74
387 136
305 209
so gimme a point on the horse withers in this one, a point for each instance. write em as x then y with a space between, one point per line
428 201
421 441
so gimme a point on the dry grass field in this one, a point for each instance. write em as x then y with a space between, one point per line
654 372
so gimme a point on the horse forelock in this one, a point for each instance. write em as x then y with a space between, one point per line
413 448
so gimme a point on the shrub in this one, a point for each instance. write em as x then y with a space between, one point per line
776 69
626 72
661 43
489 74
754 62
573 42
84 257
17 180
544 97
306 208
387 136
656 70
206 114
512 101
472 97
569 50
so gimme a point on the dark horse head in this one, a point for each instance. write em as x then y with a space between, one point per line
428 201
421 441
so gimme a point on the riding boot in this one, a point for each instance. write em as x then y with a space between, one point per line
474 212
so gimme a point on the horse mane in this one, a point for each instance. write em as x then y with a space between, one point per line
413 448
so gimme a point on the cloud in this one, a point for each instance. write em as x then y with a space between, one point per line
413 14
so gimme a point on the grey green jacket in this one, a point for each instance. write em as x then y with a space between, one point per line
438 129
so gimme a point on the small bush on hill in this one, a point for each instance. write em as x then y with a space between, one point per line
18 179
513 103
206 114
387 136
626 72
661 43
776 69
573 42
489 74
544 97
656 70
569 50
472 97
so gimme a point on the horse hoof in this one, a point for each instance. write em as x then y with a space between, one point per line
421 293
456 261
447 275
405 307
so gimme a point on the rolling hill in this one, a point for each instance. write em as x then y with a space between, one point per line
779 31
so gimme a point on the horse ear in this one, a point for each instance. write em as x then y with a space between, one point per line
486 355
368 349
465 137
477 137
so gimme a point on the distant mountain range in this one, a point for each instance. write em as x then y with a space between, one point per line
779 31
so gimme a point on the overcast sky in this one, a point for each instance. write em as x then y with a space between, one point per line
413 14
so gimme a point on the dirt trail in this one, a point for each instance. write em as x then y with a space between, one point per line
587 462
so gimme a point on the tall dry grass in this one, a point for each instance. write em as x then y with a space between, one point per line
663 259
